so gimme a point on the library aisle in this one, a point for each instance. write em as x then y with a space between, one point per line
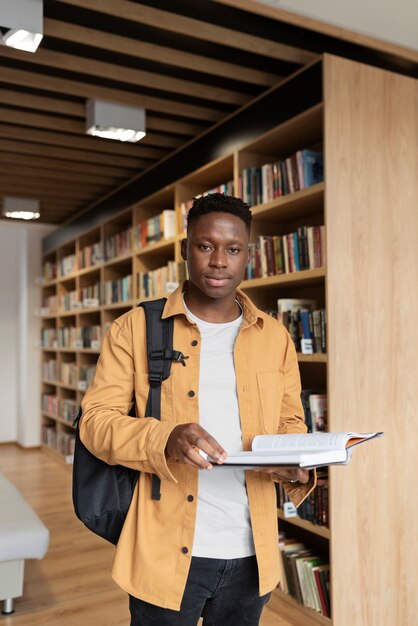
72 585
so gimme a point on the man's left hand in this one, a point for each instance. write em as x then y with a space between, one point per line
291 475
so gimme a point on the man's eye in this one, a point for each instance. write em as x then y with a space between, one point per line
234 250
204 247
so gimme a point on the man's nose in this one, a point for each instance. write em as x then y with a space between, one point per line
218 258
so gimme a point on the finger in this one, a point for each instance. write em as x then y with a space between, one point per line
288 475
193 457
211 447
303 476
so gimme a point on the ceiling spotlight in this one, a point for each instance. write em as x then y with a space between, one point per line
21 24
22 39
115 121
21 208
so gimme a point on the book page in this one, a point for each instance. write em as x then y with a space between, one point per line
301 442
309 442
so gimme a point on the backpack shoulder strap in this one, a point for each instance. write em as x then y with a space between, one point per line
160 355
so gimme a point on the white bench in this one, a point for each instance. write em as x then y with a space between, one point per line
22 536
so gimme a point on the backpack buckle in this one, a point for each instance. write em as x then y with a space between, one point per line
179 357
155 378
169 355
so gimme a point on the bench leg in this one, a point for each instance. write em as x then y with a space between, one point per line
11 583
8 606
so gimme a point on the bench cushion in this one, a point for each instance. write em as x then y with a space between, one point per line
22 534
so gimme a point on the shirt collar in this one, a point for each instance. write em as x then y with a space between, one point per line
175 306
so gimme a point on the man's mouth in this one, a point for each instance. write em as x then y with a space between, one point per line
217 281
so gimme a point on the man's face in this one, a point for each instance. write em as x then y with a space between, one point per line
216 251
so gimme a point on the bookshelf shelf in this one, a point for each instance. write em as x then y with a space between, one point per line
48 283
285 606
302 203
67 277
294 278
50 416
321 531
85 311
119 260
70 313
88 351
90 270
163 246
317 357
118 305
60 420
60 384
72 350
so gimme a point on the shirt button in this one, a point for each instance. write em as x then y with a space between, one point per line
195 342
191 393
190 498
185 550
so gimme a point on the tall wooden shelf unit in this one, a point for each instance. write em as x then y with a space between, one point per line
365 126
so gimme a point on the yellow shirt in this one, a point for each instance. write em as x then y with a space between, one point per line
153 554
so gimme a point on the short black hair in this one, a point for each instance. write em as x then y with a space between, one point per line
221 203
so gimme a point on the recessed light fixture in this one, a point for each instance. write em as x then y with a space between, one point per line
115 121
21 24
21 208
22 39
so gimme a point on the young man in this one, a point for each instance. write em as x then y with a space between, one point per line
209 546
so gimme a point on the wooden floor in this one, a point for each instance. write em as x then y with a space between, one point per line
71 586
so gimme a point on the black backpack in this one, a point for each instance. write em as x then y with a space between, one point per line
102 493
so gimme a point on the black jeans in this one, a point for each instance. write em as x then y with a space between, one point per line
224 592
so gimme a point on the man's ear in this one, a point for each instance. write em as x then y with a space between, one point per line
183 249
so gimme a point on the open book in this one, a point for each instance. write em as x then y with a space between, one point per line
307 450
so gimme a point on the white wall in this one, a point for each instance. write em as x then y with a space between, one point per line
20 265
396 22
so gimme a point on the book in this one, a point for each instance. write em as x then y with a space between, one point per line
295 304
308 450
313 167
319 411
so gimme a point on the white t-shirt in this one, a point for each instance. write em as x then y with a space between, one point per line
223 527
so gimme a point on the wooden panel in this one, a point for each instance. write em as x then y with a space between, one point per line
43 169
87 90
55 105
128 75
65 125
86 142
186 26
89 171
372 225
43 179
43 103
71 154
161 54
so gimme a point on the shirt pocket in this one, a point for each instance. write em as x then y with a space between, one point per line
141 396
270 391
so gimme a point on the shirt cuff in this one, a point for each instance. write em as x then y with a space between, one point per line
155 448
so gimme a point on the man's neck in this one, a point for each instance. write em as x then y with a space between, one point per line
213 310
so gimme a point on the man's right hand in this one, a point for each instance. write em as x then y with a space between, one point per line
186 440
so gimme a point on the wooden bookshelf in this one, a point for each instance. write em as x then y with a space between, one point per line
316 357
288 608
321 531
368 370
292 278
